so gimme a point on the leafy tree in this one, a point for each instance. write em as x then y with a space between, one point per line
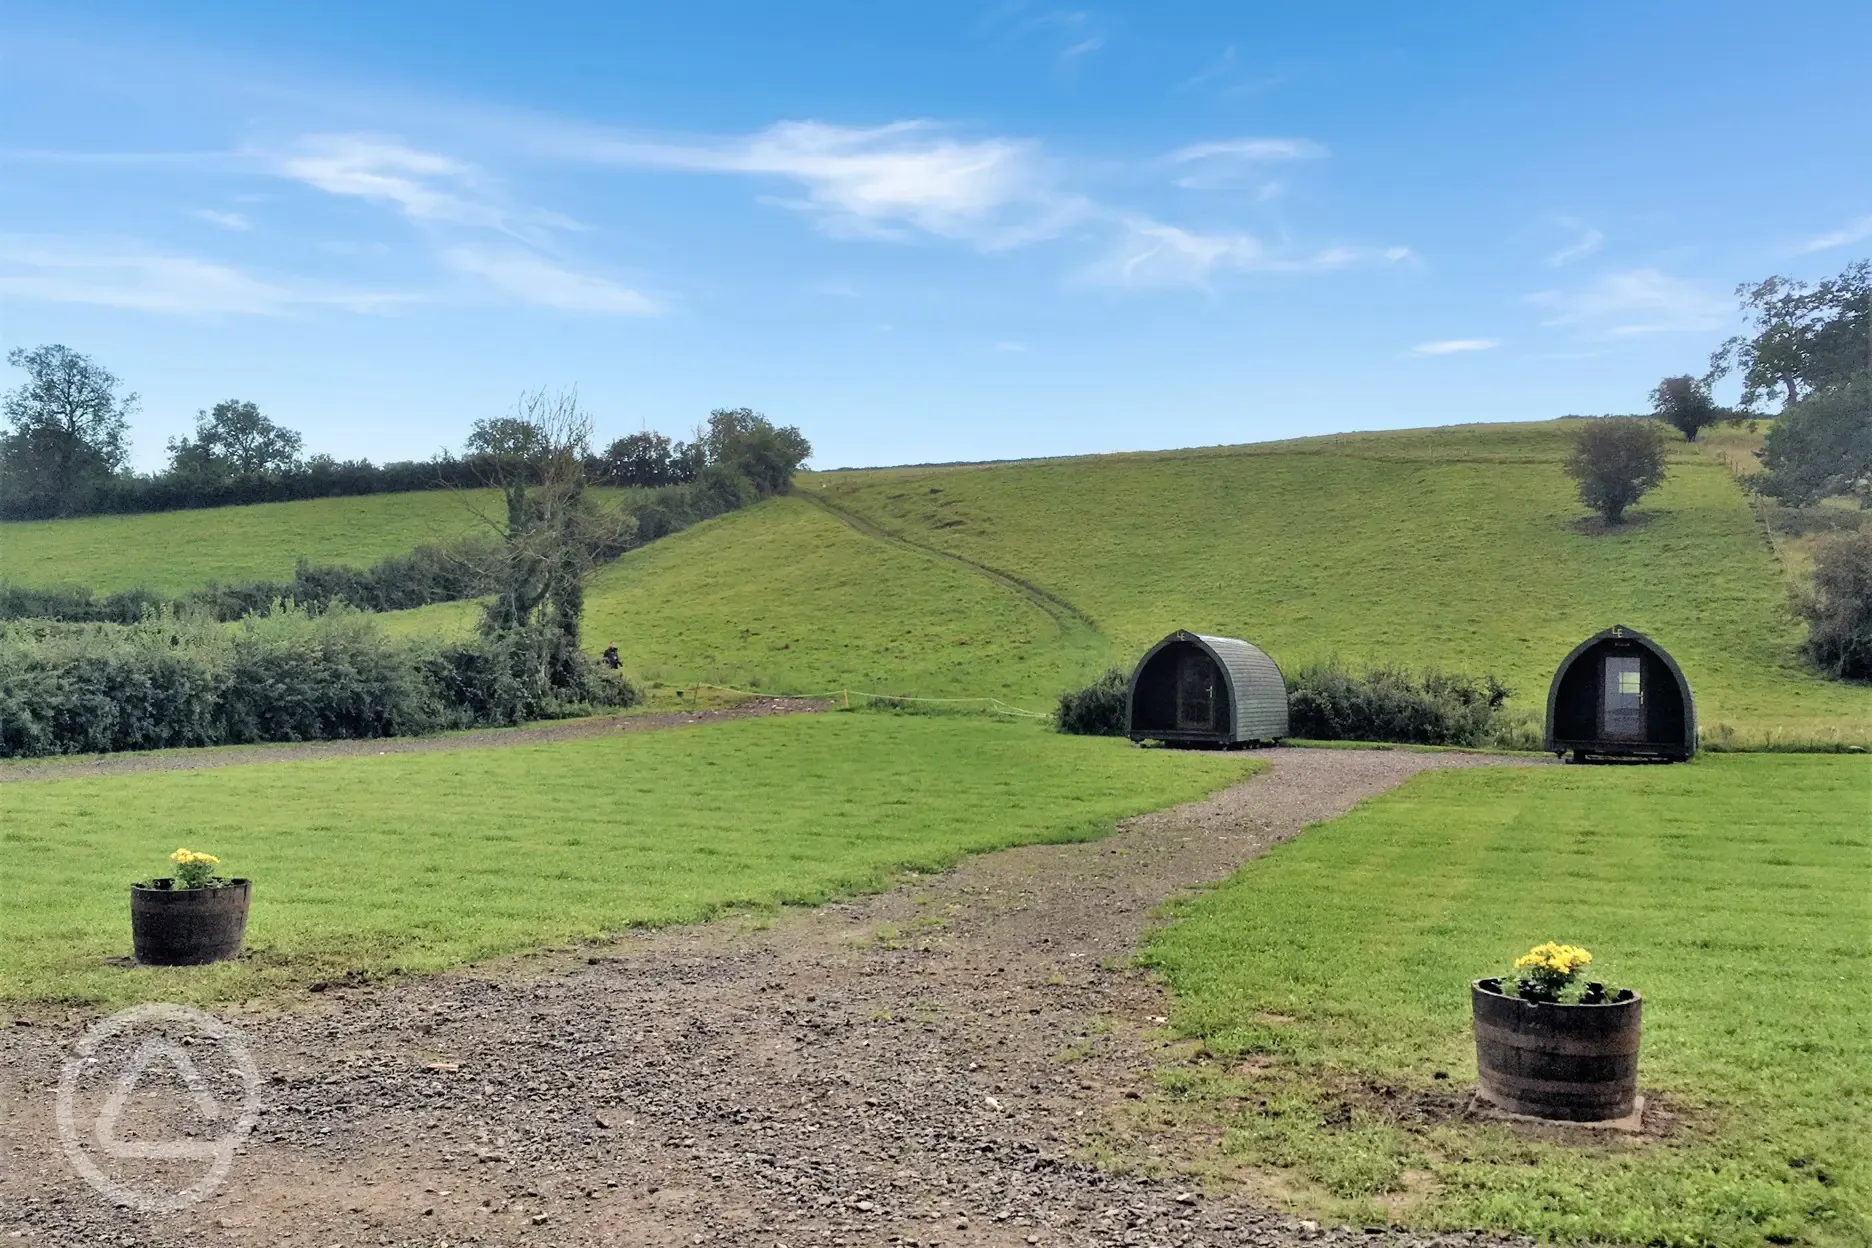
1616 460
642 459
553 536
67 430
1838 607
747 441
234 439
1820 446
1803 338
1684 403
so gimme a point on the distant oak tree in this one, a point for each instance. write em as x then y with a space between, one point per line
1802 337
235 439
1684 403
67 431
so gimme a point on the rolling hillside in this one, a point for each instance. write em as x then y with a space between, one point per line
176 551
1461 546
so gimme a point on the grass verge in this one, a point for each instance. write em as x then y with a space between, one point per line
421 861
1326 983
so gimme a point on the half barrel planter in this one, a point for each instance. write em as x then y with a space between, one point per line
1569 1063
172 926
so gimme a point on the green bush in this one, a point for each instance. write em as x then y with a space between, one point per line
182 679
1098 710
1327 702
1838 607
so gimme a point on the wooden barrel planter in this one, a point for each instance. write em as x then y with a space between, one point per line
1571 1063
172 926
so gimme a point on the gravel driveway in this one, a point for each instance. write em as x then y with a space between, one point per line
884 1071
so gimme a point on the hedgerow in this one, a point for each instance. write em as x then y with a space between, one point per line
179 679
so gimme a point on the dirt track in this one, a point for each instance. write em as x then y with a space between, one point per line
885 1071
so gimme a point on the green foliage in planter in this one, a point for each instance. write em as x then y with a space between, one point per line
193 869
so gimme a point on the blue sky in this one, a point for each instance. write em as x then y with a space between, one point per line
920 231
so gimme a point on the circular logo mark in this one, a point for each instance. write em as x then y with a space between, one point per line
161 1091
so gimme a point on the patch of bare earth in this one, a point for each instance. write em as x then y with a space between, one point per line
923 1067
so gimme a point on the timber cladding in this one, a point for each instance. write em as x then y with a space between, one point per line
1200 690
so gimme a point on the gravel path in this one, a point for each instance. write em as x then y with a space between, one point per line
883 1071
489 738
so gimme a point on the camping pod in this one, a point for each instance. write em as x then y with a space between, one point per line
1620 695
1197 690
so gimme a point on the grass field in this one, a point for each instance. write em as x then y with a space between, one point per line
1735 893
1463 547
415 862
786 597
176 551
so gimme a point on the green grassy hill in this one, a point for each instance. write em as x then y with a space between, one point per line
176 551
1463 547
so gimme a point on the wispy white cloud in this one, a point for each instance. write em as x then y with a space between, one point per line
1639 301
1588 243
226 220
1074 32
460 205
1154 253
123 274
1223 78
1851 233
1249 149
884 181
422 185
1231 164
1220 68
1454 346
533 279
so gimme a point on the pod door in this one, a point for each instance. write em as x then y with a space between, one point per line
1622 705
1196 692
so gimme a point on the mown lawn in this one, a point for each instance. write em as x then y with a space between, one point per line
1462 547
415 862
1735 893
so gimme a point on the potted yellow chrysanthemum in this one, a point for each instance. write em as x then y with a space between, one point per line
1553 1044
192 917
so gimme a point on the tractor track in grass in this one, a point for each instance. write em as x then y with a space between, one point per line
1067 616
927 1066
539 733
